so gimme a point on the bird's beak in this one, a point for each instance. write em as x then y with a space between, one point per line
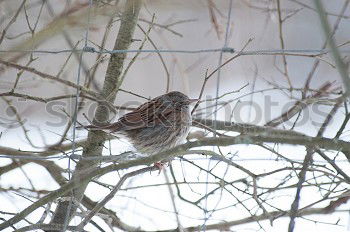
193 100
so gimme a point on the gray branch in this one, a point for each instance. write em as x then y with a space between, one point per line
65 210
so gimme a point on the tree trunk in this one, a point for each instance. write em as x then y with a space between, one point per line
66 209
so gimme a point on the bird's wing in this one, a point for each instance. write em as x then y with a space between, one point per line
148 114
138 118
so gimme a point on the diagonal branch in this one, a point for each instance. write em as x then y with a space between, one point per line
101 204
295 205
335 52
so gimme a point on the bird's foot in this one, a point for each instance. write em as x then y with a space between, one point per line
160 166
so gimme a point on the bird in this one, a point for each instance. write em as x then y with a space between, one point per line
156 125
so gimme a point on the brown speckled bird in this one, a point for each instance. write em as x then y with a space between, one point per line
157 125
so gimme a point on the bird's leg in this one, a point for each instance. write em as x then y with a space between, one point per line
159 165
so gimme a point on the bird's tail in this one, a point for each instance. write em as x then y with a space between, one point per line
106 128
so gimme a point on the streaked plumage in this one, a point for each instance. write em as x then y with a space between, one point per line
156 125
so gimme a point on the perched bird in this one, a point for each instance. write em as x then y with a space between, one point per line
155 126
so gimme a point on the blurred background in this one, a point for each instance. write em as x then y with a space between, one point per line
256 87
